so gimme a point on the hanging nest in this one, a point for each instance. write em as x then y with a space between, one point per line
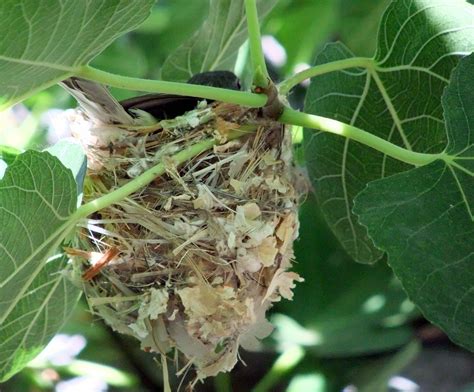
192 261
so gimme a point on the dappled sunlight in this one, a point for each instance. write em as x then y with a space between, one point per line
3 167
17 127
449 37
273 50
288 331
59 360
60 351
403 384
314 382
374 303
406 309
300 67
83 383
407 306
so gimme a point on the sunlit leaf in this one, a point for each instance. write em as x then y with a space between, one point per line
398 99
424 219
72 155
215 45
43 42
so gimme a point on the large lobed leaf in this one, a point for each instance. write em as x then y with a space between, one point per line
215 45
398 99
43 42
37 198
424 219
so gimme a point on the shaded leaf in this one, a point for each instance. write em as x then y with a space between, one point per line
215 45
36 318
424 219
344 296
170 24
43 42
37 196
398 99
112 58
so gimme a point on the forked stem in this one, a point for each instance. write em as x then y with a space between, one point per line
289 116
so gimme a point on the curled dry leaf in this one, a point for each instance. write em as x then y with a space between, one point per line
204 249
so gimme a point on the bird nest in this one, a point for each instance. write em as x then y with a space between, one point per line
192 261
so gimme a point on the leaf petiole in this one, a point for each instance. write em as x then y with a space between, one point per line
354 62
312 121
159 86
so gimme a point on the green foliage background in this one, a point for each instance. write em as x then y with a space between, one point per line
344 313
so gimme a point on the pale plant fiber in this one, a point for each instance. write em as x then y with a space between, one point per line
205 249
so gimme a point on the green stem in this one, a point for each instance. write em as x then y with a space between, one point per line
8 153
159 86
355 62
148 176
282 366
261 77
9 150
291 116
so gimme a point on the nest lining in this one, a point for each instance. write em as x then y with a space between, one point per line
204 250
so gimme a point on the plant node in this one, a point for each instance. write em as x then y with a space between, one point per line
274 107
